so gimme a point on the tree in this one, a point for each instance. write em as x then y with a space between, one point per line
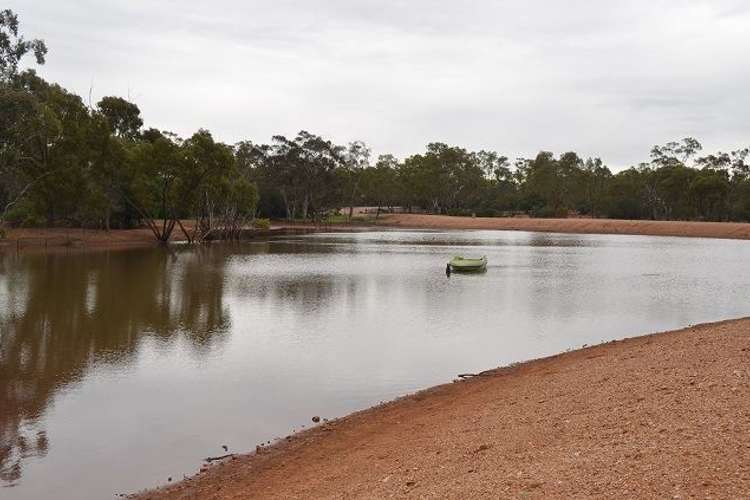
627 195
380 183
45 146
236 208
20 115
710 189
548 183
444 179
356 158
13 47
493 165
123 117
305 171
595 178
254 164
673 153
151 184
204 184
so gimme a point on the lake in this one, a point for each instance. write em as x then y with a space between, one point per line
119 369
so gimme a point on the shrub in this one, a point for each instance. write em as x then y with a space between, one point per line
264 224
461 212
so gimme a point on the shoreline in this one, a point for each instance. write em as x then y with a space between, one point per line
44 238
662 414
689 229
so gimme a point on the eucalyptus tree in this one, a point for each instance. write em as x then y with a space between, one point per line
208 186
675 152
152 181
443 179
494 165
595 177
13 46
305 171
381 184
122 117
116 127
19 112
255 164
45 145
543 186
356 158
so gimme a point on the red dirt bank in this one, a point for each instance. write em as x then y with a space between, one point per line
729 230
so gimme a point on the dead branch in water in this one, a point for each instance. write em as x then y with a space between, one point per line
485 373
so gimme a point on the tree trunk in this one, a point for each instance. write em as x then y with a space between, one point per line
305 203
289 214
352 196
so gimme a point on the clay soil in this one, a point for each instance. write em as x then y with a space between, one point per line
660 416
730 230
40 238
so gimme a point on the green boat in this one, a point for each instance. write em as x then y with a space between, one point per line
462 265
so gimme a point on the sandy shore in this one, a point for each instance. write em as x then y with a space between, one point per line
730 230
665 415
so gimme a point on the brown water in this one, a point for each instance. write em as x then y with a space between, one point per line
121 369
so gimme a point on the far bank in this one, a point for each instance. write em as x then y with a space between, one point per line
726 230
42 238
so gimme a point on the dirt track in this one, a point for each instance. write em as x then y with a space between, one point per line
664 416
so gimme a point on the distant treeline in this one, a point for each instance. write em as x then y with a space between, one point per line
67 162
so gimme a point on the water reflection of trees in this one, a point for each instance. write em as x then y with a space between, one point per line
60 314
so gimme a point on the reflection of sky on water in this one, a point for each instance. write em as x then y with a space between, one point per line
120 369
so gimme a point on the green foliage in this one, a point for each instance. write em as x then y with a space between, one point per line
122 117
24 214
13 47
263 224
305 173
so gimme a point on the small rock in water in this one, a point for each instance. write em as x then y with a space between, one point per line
316 419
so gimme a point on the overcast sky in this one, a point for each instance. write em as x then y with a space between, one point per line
602 78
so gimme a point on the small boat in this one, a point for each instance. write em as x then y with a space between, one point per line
463 265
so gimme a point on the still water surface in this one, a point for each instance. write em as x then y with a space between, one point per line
121 369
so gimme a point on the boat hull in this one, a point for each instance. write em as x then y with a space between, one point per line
461 265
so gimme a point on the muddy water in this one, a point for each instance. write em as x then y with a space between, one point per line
121 369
